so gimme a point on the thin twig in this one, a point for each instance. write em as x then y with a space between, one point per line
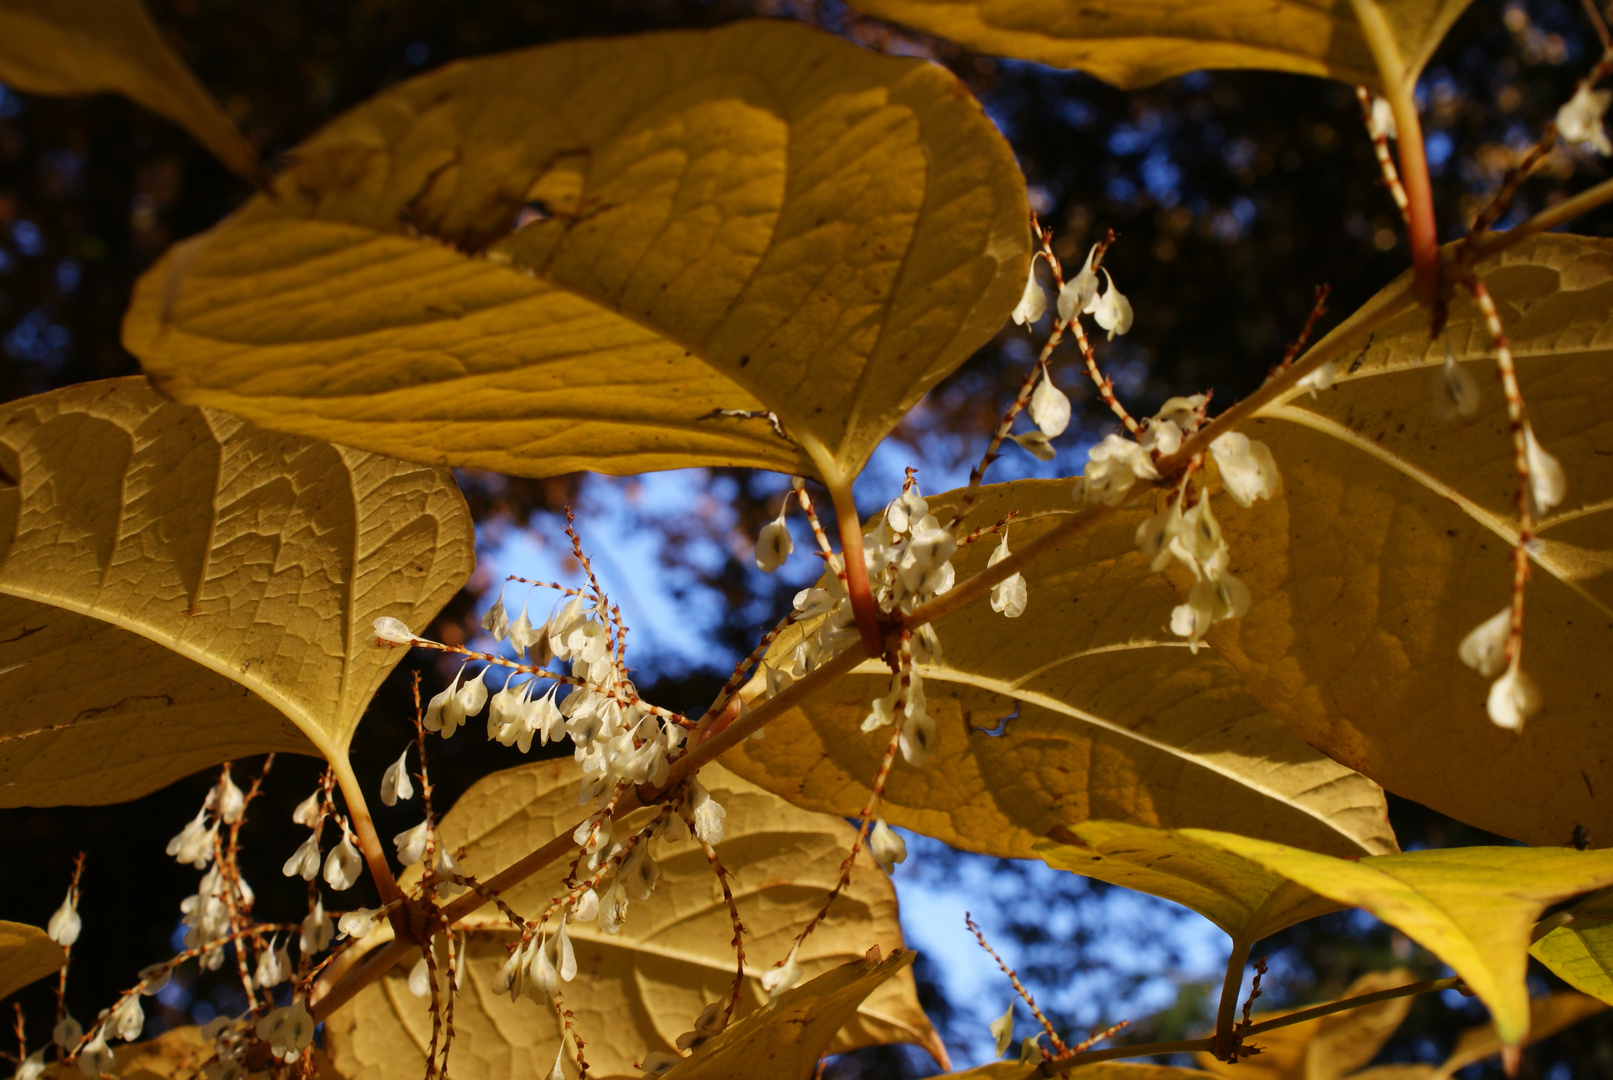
1059 1049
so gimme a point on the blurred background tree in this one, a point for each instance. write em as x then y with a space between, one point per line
1233 195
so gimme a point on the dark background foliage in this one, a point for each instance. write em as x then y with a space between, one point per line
1233 194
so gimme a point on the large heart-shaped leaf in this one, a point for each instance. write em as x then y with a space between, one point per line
1131 43
569 257
1472 907
27 954
638 990
178 588
1085 707
92 46
1392 543
1580 951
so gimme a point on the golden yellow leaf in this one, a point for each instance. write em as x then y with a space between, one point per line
1396 1072
1109 715
1328 1047
1392 542
179 1053
178 588
568 257
637 991
785 1040
1547 1016
94 46
1131 43
27 954
1580 952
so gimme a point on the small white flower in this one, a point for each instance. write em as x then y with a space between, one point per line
1216 597
307 812
1248 471
317 930
194 844
1381 123
65 924
657 1063
1513 699
1484 649
289 1030
1034 301
511 977
395 784
1161 436
420 978
411 843
343 865
1456 392
707 1024
274 966
1113 467
1079 294
1002 1030
524 636
128 1019
1579 121
780 979
66 1034
304 862
1036 444
231 803
586 907
32 1067
709 816
96 1059
885 845
557 1073
1320 379
358 922
1547 485
639 873
918 737
1049 407
1183 411
565 958
496 621
392 631
773 543
153 977
1112 310
1009 595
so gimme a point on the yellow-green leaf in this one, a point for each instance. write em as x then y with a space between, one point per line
94 46
1243 899
1133 44
27 954
786 1039
1392 542
638 990
1581 954
178 588
1109 715
569 257
1328 1047
1547 1016
1472 907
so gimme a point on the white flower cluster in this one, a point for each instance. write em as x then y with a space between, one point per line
206 914
1192 536
1579 121
343 864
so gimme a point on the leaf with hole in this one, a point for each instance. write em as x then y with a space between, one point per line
577 256
1392 541
1086 707
95 46
648 983
1132 44
179 588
